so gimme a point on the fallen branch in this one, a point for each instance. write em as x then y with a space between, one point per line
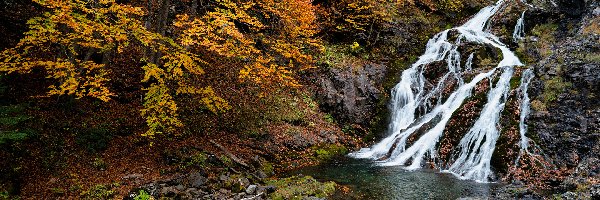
230 155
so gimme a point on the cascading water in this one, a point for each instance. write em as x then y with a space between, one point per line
469 63
525 109
519 32
478 144
525 80
410 95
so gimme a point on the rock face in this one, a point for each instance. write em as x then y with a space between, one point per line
565 120
351 93
569 128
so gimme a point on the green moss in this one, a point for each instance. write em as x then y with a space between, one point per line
267 168
336 55
523 54
328 118
299 187
592 57
12 121
234 183
515 81
197 160
4 195
226 161
553 88
538 105
328 152
98 192
94 139
99 164
545 32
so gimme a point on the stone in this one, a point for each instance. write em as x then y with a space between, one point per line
251 189
168 191
244 182
261 174
180 187
270 188
595 192
196 180
569 196
223 177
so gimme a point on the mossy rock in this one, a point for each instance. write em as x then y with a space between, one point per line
328 152
299 187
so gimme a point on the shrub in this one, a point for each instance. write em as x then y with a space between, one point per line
12 119
198 160
94 139
143 195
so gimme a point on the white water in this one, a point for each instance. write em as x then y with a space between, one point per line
519 32
469 63
478 145
525 109
410 96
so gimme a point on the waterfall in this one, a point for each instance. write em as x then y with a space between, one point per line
410 96
519 32
478 144
525 109
469 63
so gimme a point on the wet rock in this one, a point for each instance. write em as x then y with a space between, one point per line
596 11
569 196
251 189
352 92
595 192
266 189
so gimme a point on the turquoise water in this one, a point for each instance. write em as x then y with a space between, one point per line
368 181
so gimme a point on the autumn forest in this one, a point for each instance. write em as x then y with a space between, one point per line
223 99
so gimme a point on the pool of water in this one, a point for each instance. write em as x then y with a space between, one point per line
369 181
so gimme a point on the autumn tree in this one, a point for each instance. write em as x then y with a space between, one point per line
361 20
272 40
63 41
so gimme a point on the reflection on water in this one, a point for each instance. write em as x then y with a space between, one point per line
368 181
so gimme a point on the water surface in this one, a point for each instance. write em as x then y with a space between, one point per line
369 181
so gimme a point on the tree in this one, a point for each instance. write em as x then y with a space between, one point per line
361 20
64 40
272 39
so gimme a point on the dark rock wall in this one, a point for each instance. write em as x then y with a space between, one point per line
352 93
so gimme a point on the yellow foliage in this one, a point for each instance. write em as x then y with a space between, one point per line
268 41
63 39
272 48
361 16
